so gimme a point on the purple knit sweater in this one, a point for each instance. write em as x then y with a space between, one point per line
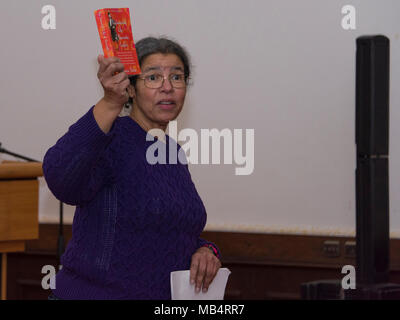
134 222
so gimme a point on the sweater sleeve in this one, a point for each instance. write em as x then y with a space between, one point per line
76 167
201 242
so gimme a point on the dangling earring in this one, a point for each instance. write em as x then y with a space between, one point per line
126 110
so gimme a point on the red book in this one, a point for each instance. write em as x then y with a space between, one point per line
114 25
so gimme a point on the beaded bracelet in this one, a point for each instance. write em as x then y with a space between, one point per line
213 249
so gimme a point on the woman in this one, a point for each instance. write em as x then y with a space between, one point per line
134 222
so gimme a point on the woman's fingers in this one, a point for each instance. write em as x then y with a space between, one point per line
193 269
104 63
118 78
212 269
203 269
201 273
123 86
112 69
197 271
209 278
114 81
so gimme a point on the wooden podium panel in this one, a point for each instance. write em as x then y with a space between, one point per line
19 209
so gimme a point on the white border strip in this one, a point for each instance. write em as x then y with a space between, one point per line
295 230
273 229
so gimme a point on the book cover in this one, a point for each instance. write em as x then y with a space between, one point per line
114 25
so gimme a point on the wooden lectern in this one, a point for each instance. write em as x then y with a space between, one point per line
19 204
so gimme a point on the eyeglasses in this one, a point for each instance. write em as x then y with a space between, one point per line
156 80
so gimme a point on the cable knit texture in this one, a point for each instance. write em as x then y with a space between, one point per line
134 222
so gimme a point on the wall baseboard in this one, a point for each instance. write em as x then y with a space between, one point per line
264 266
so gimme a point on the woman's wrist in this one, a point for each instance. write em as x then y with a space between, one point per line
212 248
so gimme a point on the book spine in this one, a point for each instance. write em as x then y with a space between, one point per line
104 32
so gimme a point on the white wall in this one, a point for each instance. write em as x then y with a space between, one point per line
283 68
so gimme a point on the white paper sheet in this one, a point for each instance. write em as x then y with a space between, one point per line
181 289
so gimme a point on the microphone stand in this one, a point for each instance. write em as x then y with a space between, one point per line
2 150
60 241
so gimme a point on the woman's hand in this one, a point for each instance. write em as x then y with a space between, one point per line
203 268
114 81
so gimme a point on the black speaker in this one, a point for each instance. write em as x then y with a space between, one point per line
372 95
372 219
322 290
380 291
372 180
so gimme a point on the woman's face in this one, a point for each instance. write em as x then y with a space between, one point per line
154 108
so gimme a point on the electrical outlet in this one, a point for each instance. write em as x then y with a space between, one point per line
350 249
331 248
